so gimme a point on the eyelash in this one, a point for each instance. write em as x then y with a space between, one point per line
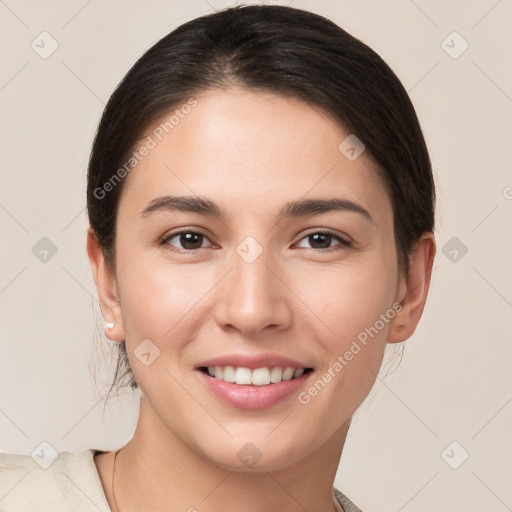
344 243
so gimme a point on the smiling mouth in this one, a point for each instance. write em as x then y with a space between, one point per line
263 376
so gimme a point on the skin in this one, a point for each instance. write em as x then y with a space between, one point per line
250 153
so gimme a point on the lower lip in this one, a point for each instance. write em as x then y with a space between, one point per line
250 396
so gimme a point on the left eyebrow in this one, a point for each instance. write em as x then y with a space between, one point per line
308 207
299 208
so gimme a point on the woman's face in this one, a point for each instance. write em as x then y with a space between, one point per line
260 287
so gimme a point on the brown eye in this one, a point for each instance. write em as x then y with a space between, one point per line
189 240
323 240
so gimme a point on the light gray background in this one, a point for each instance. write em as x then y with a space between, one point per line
454 381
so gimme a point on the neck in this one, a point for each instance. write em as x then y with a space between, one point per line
157 471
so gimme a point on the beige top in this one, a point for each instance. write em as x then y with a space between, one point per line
70 484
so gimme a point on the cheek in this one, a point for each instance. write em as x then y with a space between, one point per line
350 333
349 302
153 294
343 300
157 306
158 298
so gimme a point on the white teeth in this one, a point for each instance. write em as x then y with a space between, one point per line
243 376
276 374
258 377
261 377
288 373
229 374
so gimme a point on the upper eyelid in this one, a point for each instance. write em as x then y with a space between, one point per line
341 236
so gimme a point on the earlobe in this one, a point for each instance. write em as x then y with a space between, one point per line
412 293
106 287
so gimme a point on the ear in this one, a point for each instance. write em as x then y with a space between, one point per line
106 286
412 293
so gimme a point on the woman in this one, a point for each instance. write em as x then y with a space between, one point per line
261 209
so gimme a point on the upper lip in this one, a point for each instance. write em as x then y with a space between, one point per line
253 362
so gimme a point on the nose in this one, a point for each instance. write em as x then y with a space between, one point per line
253 297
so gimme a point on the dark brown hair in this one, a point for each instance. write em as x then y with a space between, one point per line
285 51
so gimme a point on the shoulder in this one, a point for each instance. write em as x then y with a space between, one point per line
64 482
346 504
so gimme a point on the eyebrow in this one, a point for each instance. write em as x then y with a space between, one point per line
299 208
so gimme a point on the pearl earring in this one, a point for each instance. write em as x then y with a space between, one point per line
109 325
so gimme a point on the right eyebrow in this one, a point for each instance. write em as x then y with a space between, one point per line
184 204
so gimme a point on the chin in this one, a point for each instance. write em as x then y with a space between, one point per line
261 466
259 455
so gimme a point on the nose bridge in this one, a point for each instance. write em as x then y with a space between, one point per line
252 297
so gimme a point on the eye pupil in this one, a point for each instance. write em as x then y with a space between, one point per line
189 238
321 236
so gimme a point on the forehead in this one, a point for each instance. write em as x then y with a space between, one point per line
252 150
